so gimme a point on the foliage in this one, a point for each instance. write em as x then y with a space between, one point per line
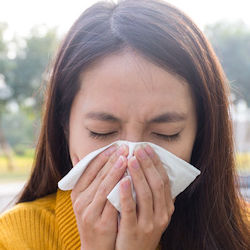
24 75
231 42
20 129
31 62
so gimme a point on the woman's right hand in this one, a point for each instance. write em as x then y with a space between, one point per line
95 216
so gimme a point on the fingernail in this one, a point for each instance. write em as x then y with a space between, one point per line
125 183
149 150
134 163
110 150
142 154
121 150
119 162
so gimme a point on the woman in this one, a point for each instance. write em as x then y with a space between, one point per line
138 71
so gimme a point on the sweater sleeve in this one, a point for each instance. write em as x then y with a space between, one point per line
17 229
26 226
2 246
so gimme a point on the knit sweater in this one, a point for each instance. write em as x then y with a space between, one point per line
45 223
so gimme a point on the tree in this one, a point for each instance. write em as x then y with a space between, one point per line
5 95
29 73
25 74
231 42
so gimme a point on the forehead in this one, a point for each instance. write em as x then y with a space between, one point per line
127 82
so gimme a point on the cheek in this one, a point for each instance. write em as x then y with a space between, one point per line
184 147
76 137
80 144
186 154
187 143
181 150
187 148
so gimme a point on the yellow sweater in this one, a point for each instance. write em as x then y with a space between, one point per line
46 223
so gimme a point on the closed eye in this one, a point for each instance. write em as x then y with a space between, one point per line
95 135
98 135
168 137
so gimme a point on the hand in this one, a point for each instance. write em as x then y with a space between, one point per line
95 216
141 227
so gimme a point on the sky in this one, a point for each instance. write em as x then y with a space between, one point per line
22 15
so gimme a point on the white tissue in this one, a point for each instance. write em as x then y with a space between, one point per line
180 173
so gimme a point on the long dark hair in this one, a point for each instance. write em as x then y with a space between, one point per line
208 213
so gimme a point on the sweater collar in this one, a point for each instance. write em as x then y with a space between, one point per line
66 220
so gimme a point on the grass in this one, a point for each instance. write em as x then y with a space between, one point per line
23 165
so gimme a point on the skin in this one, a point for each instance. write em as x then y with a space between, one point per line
133 91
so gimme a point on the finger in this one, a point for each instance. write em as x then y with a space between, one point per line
95 168
80 201
85 195
123 150
157 162
109 215
162 171
143 193
154 180
128 205
112 178
169 202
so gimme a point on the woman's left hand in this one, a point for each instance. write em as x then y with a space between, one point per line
141 226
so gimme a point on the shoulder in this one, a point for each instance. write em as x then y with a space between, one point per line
46 203
25 219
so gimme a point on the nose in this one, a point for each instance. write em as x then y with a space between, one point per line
133 131
133 137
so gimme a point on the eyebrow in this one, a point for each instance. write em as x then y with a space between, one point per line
163 118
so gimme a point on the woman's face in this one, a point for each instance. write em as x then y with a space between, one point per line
129 98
